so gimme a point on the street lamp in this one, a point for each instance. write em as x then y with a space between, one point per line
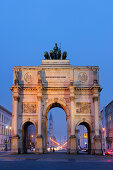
104 141
32 136
6 139
9 134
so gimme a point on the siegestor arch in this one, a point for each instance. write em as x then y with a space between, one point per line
56 103
87 124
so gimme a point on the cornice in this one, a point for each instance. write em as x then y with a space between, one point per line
56 88
89 88
41 67
15 87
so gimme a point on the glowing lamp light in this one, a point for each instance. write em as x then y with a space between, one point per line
10 127
32 136
7 127
103 128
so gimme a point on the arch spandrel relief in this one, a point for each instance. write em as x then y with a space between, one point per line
29 107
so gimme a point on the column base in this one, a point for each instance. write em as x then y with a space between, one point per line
15 145
73 149
39 144
98 145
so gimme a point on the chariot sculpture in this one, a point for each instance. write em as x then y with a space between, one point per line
55 54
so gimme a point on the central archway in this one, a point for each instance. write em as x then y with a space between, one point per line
51 108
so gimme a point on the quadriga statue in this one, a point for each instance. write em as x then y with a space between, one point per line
55 54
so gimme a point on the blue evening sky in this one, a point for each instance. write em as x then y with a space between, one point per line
29 27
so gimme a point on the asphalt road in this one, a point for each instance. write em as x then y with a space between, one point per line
54 161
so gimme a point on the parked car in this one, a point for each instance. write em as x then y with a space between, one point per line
32 149
109 152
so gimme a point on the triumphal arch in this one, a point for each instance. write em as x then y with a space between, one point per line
37 89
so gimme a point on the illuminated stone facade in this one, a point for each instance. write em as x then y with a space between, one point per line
5 129
54 83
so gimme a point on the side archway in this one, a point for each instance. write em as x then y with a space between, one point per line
26 137
87 126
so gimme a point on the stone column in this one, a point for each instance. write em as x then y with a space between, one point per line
96 116
39 118
97 138
39 139
15 113
73 109
44 133
72 137
68 133
15 138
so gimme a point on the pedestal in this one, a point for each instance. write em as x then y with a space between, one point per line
98 145
73 144
39 144
15 145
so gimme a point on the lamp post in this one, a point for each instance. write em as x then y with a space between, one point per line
9 134
104 140
6 139
10 128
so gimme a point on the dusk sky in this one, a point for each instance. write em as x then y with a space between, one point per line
83 27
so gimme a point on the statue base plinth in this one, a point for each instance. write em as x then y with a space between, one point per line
98 148
55 63
15 145
39 144
73 144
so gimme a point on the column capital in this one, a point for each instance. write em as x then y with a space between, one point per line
16 98
44 117
95 98
39 98
72 136
72 97
67 117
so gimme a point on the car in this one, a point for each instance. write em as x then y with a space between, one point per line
109 152
32 149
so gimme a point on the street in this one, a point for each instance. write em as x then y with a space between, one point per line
56 161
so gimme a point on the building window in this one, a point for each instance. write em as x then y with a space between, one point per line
85 135
109 118
2 118
2 129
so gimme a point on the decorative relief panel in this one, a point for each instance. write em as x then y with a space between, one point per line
83 107
29 107
82 77
28 77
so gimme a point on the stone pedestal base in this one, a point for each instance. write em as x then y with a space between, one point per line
15 145
73 144
98 145
39 144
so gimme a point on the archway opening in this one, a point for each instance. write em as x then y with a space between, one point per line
83 137
28 136
56 129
